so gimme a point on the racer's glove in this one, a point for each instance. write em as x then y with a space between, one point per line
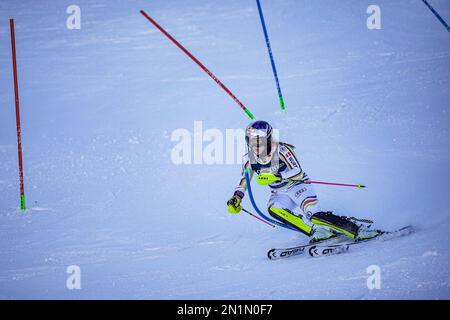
234 204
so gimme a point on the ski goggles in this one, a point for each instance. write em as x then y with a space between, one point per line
257 142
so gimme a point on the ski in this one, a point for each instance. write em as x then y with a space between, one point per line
321 250
275 254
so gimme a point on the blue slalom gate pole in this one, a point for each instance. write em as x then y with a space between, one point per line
272 61
437 15
262 215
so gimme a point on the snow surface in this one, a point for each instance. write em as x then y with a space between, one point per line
99 105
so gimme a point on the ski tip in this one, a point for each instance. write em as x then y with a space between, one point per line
271 254
360 186
408 229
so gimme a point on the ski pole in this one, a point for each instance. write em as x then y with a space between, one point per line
359 185
201 65
268 178
272 61
254 216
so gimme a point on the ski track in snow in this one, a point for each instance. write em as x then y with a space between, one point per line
98 107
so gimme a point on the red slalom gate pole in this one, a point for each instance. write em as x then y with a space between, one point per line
16 95
201 65
359 186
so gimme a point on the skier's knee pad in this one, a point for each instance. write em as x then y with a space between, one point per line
287 217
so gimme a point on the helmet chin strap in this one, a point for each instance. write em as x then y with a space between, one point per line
263 161
267 158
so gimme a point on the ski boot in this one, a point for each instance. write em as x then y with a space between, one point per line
337 223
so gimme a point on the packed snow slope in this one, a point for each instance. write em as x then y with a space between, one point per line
99 106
